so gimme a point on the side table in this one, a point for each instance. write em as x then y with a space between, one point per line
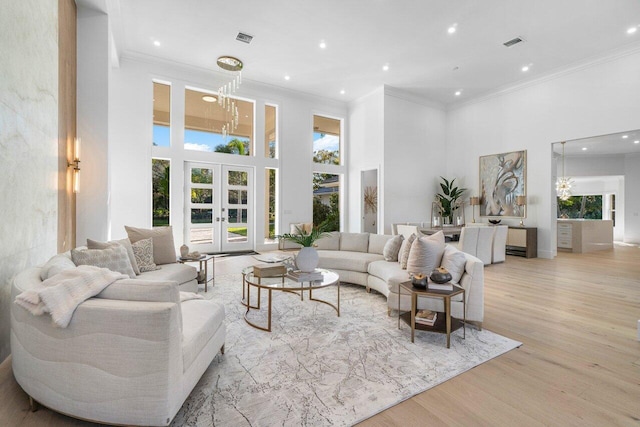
445 324
203 263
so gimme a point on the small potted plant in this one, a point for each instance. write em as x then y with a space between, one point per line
448 199
307 259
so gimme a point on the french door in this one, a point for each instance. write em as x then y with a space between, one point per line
218 207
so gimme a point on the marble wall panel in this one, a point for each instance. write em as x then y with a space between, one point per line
28 142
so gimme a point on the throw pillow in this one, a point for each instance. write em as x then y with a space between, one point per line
392 247
56 265
454 261
164 251
114 258
126 243
403 256
426 254
143 251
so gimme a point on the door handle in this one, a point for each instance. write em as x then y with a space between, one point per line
223 219
217 219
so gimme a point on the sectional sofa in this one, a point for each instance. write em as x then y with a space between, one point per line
358 258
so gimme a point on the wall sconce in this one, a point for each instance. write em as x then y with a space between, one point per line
474 201
521 201
75 164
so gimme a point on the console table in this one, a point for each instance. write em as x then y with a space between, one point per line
522 241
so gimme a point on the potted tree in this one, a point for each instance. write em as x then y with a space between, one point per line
448 199
307 259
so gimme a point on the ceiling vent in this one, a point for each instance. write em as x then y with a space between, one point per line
513 41
245 38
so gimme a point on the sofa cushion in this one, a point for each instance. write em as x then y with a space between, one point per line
377 243
126 243
164 251
143 251
390 272
329 242
392 248
403 254
201 320
346 260
454 261
55 265
426 253
114 258
354 242
180 273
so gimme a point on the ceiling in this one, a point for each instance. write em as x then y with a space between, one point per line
409 36
613 144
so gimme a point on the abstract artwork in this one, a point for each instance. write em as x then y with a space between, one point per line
503 177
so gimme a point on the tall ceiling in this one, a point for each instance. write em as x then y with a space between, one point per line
410 36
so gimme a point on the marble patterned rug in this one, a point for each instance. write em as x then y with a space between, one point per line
317 369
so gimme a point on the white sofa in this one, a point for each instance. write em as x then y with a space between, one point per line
358 259
129 356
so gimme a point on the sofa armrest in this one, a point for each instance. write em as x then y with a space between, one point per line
473 283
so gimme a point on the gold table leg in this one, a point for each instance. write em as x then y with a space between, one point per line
447 309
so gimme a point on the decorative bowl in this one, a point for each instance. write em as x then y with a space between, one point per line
495 221
419 281
440 275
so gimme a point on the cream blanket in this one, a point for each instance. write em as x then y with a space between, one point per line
61 294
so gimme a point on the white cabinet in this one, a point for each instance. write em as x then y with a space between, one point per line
565 236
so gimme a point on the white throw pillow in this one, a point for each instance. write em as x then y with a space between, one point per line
392 248
455 262
114 258
403 255
143 251
164 251
426 253
126 243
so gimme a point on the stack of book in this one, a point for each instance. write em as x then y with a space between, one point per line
426 317
302 276
440 286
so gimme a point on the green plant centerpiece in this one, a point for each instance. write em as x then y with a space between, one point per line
307 259
449 197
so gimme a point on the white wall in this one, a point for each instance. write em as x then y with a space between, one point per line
632 205
596 100
28 143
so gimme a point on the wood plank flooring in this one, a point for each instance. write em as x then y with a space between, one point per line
579 365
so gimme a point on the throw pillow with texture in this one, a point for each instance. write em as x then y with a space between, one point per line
126 243
403 256
164 251
426 253
55 265
455 262
143 251
114 258
392 248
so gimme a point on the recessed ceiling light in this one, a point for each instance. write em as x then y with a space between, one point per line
385 67
525 68
625 136
156 43
458 93
287 77
323 45
342 92
632 30
636 142
584 148
209 98
452 29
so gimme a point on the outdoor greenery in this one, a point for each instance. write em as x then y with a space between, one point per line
235 146
328 216
587 207
448 199
272 203
160 191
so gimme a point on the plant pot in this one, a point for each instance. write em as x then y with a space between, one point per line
307 259
440 276
184 251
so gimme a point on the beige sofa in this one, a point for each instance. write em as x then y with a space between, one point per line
130 356
358 259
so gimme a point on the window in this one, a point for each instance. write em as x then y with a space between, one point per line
160 191
270 205
161 114
587 207
326 201
270 135
204 119
326 140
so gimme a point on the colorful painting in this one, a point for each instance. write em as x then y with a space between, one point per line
503 177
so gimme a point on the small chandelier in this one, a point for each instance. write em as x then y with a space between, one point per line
234 65
563 185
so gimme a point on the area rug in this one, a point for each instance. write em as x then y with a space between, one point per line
317 369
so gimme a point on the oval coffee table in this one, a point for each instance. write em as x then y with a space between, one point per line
284 283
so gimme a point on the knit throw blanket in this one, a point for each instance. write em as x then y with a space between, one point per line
61 294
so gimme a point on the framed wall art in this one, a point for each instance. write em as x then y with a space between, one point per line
503 177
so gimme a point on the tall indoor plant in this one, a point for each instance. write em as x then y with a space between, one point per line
307 259
448 198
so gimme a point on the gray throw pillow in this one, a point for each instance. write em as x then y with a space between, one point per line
114 258
392 247
426 254
455 262
164 251
126 243
143 251
403 255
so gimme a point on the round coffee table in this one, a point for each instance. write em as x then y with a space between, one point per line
284 283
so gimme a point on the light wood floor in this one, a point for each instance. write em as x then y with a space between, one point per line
579 364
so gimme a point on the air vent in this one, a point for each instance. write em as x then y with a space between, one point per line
245 38
513 41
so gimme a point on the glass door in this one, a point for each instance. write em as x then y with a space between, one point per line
237 208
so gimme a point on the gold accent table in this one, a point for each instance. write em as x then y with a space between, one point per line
281 282
203 261
445 324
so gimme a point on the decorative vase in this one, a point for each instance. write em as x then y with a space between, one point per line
440 275
184 251
419 281
307 259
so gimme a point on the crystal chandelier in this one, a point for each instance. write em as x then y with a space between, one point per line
563 185
234 65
